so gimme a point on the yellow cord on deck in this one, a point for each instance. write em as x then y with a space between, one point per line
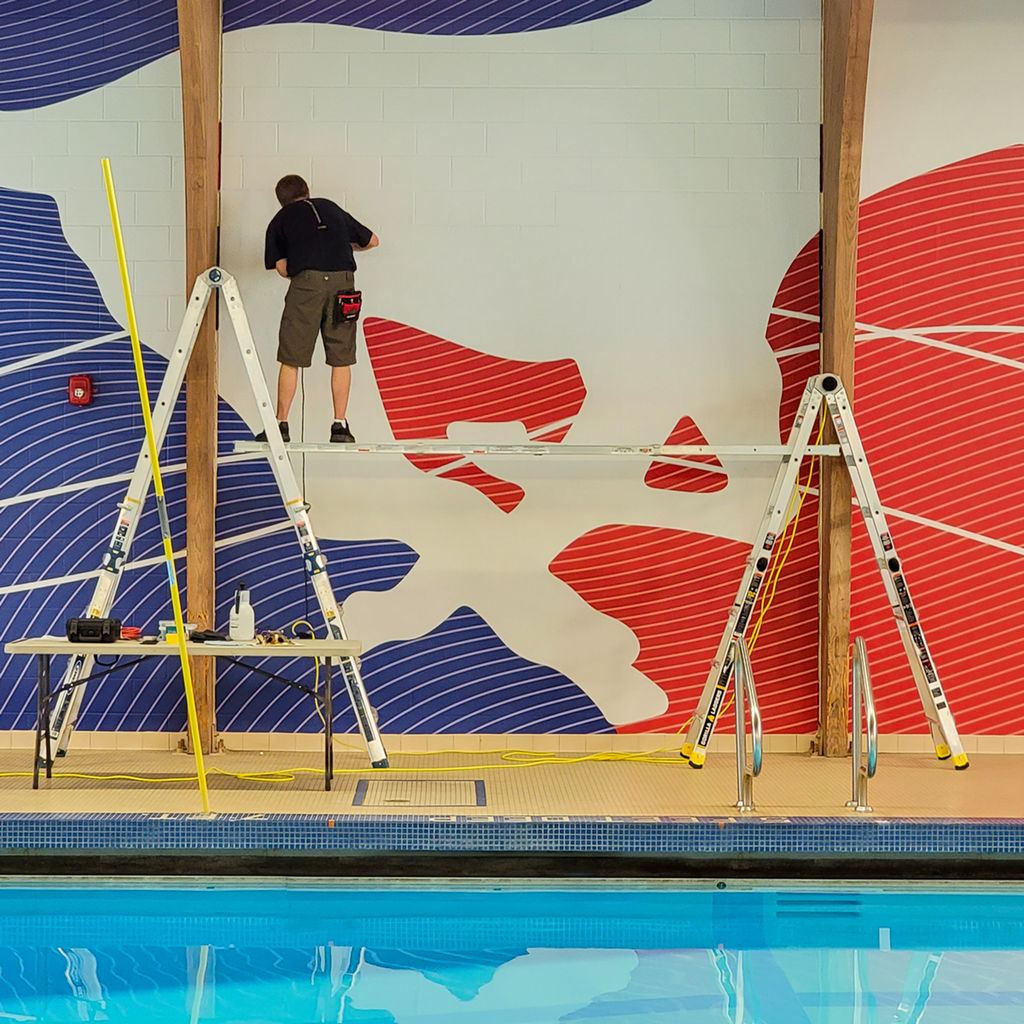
158 486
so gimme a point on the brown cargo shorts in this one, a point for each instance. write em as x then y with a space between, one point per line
308 311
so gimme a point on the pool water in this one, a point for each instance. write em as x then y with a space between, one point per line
503 953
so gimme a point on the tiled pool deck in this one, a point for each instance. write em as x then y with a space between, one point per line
482 803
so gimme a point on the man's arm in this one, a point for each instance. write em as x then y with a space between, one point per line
282 268
371 244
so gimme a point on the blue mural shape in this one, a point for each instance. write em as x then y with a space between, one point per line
63 472
53 50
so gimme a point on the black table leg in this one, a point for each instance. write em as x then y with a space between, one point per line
46 715
42 702
328 725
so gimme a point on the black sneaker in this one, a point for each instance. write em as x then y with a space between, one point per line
340 434
282 426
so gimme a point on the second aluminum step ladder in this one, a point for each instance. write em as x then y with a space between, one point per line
825 389
65 709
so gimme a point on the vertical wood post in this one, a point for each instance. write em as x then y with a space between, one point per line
846 35
199 31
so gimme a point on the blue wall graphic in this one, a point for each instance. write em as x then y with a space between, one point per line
57 502
52 50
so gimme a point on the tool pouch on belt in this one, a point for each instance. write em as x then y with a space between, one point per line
347 306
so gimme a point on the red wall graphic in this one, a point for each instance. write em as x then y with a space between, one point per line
427 383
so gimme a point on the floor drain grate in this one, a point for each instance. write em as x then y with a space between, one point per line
419 793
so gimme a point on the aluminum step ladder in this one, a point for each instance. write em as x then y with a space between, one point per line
825 389
68 701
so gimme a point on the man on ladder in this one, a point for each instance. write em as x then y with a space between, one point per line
310 242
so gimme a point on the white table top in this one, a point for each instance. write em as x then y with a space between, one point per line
122 648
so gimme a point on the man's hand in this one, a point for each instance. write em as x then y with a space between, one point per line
282 268
371 244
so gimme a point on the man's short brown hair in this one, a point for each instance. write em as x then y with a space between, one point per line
290 188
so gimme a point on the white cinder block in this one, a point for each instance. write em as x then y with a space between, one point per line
34 138
729 8
485 172
334 104
595 140
383 69
330 69
659 139
792 70
163 72
88 107
763 105
659 70
810 9
810 105
141 242
50 173
342 39
764 175
278 38
697 105
418 104
159 208
89 206
810 37
810 174
521 138
281 104
161 138
157 277
262 172
122 103
454 69
106 138
557 173
244 138
554 70
693 36
352 174
369 139
449 208
617 35
231 103
729 139
791 140
596 105
489 104
519 206
415 172
731 70
453 139
684 174
86 240
765 36
244 69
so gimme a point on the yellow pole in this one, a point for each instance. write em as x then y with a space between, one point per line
158 486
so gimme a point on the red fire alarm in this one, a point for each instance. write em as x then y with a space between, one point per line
80 389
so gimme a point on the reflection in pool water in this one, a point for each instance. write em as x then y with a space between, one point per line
504 954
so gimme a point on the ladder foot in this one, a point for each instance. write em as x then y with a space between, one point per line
960 762
381 764
693 764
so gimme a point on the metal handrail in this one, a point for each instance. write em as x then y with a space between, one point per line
746 694
863 764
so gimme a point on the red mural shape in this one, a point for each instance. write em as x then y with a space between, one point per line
427 383
940 406
695 473
939 400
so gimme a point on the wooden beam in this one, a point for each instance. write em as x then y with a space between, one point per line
199 31
846 36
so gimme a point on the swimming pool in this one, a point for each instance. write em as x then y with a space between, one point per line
509 953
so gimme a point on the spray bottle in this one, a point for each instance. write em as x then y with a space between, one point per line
242 620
